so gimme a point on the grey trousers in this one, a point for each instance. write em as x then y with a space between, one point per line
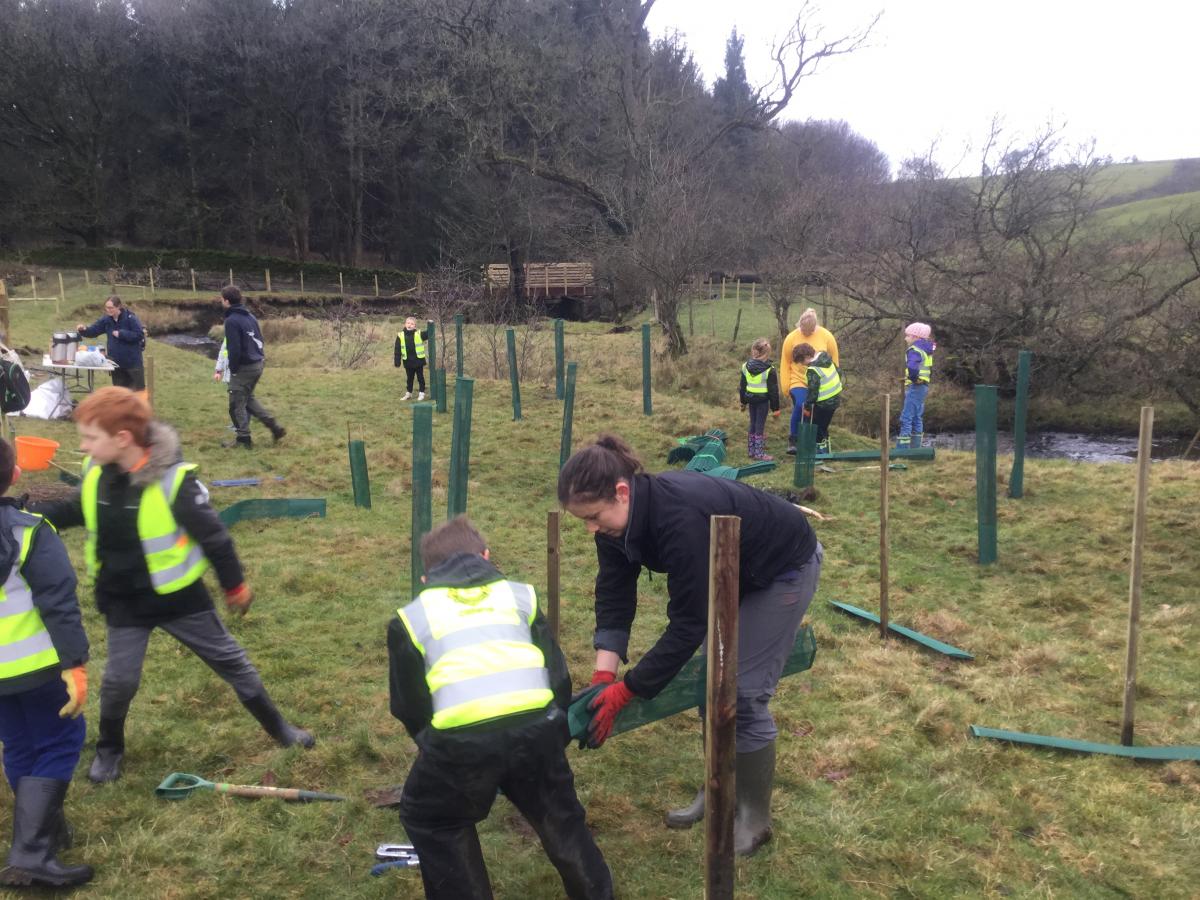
242 402
203 633
767 624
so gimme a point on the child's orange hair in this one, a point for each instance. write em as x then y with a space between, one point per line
114 409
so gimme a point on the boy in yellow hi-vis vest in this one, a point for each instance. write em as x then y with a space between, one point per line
482 688
151 534
409 352
43 689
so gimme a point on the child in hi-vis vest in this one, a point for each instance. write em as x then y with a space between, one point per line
410 353
759 390
482 688
918 369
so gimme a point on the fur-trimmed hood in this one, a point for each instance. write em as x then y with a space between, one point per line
163 443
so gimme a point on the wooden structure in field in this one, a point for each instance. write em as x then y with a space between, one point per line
565 279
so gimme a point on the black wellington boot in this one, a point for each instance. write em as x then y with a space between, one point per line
110 750
274 724
755 777
36 814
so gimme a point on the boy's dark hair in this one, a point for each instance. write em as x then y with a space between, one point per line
8 459
451 538
232 294
803 352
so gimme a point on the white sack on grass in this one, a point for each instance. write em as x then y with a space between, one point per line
51 400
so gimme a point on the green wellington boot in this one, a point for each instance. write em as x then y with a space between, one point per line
755 773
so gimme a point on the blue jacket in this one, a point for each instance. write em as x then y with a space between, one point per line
125 337
243 338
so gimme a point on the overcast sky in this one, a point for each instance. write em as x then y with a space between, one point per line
939 70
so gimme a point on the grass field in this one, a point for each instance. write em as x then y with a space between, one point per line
880 790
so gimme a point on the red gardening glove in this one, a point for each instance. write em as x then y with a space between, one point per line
600 676
76 682
605 706
237 600
776 413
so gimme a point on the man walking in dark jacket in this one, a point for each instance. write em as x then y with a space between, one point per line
244 344
126 338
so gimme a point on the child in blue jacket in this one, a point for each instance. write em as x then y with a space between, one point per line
918 367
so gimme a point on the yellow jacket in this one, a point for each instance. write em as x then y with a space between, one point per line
794 375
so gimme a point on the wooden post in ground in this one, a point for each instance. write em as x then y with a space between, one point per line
737 323
514 375
62 296
302 281
231 277
267 278
885 420
193 274
33 285
1145 432
753 291
4 312
737 291
420 283
720 736
553 568
377 285
150 272
722 287
341 285
564 444
87 277
150 380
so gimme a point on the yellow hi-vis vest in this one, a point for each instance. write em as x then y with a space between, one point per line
25 644
418 344
831 381
755 384
480 659
926 368
172 557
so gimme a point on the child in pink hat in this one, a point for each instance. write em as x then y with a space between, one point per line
918 366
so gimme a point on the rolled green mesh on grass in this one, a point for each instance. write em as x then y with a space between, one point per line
686 691
271 508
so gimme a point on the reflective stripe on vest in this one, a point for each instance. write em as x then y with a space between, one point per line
480 659
418 344
926 368
831 382
173 559
25 644
756 384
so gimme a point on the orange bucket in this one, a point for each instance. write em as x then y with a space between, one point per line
34 453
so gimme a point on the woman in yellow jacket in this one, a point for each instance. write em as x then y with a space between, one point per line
793 376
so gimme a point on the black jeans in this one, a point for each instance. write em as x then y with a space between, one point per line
242 402
134 379
822 416
758 417
417 372
451 788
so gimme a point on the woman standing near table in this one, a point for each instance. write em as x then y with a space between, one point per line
662 522
126 338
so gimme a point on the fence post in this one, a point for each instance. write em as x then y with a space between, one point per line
885 420
553 568
559 359
647 400
302 281
377 285
150 272
33 286
460 448
1016 482
458 345
564 444
514 376
231 277
422 486
193 274
722 288
737 291
1145 432
737 324
4 312
985 471
720 733
341 285
87 277
62 296
268 280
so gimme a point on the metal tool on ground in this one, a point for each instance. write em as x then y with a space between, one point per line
385 852
243 482
179 786
409 863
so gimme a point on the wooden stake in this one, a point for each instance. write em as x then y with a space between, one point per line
376 285
3 311
268 278
753 287
1145 432
302 281
193 271
33 285
553 568
722 287
151 273
62 296
87 277
737 291
885 421
341 285
231 277
720 736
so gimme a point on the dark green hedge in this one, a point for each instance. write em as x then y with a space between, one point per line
200 260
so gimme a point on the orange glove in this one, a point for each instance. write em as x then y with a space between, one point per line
237 600
600 676
76 682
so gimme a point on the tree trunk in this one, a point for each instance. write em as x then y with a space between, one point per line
676 342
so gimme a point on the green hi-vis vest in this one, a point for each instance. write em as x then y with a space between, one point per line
25 644
172 557
756 384
926 369
418 344
480 659
831 382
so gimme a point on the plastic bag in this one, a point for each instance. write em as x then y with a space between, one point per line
51 400
89 358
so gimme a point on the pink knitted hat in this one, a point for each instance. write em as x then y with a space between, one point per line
918 330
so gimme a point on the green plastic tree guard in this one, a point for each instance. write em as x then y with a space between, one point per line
431 355
458 346
359 478
560 355
271 508
806 455
647 402
985 471
564 445
460 447
1163 754
422 485
1016 482
923 639
914 453
439 392
513 375
685 691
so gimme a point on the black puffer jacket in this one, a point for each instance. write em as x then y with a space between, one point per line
51 580
668 531
243 338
